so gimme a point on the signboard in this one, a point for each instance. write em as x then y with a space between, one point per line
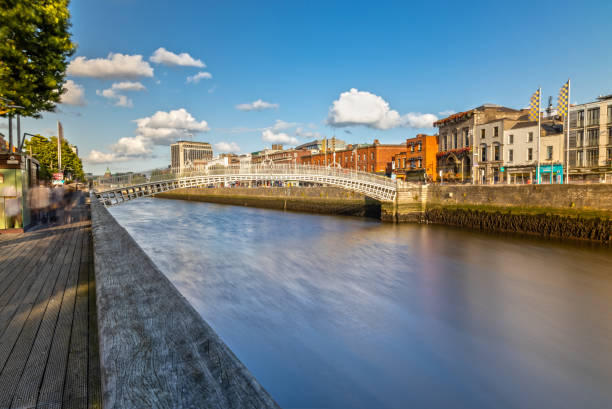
58 176
502 169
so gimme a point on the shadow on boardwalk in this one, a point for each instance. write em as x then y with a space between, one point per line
48 329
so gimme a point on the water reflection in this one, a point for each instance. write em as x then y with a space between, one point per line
337 312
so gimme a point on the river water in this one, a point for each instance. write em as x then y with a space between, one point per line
340 312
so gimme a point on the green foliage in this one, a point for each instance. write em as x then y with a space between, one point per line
45 151
34 47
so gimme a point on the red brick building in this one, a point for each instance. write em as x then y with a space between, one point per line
373 158
418 161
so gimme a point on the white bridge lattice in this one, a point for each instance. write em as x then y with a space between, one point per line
118 190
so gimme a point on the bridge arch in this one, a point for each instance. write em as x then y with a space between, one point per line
374 186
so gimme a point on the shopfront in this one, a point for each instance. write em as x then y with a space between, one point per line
550 174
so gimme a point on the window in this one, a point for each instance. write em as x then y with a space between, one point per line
610 114
419 163
610 136
592 137
372 155
419 147
404 163
609 154
455 138
372 168
483 154
549 152
510 139
579 119
496 152
411 148
510 155
482 133
466 136
364 157
444 140
593 116
496 131
530 137
592 158
580 138
530 154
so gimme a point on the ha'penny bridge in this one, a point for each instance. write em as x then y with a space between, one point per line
113 191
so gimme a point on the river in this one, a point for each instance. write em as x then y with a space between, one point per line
342 312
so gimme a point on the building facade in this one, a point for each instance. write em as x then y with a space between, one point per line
457 160
332 144
418 162
590 141
183 154
373 158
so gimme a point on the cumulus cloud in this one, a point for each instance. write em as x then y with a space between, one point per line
161 128
258 105
356 107
227 147
74 94
301 132
120 99
280 125
268 135
114 66
97 157
199 76
163 56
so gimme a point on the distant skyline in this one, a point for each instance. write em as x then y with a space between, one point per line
245 75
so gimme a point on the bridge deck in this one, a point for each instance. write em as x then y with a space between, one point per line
48 331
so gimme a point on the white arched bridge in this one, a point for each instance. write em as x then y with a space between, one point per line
114 191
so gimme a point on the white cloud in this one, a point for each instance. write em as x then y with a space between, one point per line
227 147
281 125
356 107
163 56
114 66
268 135
307 134
258 105
161 128
74 94
199 76
120 99
96 157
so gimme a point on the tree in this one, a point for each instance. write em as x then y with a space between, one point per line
34 48
45 151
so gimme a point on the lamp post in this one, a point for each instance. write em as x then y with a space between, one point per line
10 118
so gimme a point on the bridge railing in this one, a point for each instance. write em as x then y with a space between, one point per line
102 184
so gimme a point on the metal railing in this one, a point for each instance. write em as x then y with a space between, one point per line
102 184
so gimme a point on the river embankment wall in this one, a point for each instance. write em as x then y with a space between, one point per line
155 349
325 200
582 212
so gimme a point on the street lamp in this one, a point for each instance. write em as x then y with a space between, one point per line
10 118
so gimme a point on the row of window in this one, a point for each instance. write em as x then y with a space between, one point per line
588 157
592 117
413 163
497 153
453 141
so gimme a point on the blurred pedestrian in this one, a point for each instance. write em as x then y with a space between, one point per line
39 202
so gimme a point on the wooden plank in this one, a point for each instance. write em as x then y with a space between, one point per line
14 255
35 304
50 395
93 369
75 385
16 313
26 392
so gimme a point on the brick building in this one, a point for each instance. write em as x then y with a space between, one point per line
373 158
278 156
418 162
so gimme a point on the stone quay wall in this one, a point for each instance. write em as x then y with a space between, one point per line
155 349
325 200
581 212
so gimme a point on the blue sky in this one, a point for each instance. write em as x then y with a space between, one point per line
406 63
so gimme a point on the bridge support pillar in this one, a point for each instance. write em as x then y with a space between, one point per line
409 206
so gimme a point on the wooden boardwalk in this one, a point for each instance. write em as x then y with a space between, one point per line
48 327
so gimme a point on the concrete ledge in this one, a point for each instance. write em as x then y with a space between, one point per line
155 349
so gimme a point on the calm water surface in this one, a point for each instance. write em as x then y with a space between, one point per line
337 312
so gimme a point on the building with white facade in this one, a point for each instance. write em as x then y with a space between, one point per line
590 141
183 154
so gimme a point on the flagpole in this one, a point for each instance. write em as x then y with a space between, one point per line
538 162
568 132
